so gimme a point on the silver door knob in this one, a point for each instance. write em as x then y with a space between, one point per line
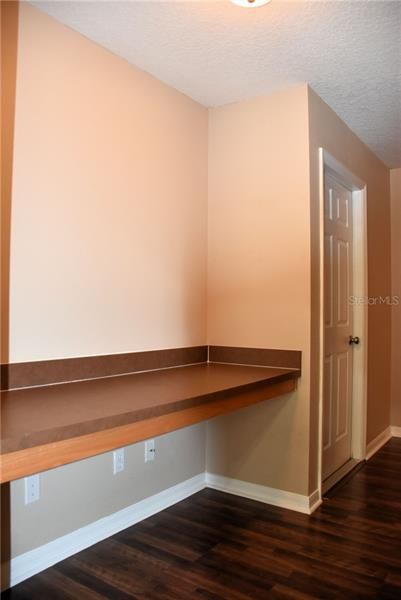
353 340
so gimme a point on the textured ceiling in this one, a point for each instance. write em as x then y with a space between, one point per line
217 53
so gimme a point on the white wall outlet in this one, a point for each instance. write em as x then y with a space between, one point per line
118 461
150 450
32 489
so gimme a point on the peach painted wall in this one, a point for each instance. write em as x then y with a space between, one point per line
328 131
259 276
108 239
9 34
395 177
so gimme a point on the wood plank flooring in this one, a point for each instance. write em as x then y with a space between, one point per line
216 546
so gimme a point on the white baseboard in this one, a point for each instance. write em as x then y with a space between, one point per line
315 500
37 560
378 442
30 563
281 498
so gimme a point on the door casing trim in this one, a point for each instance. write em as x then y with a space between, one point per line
360 291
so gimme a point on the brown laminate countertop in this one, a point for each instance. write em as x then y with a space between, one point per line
43 415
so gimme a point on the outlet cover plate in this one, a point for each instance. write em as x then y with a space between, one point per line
118 461
150 450
32 489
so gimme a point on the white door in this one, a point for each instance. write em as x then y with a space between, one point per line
338 326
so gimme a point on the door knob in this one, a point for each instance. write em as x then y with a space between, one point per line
353 340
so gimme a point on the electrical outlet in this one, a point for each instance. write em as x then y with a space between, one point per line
150 450
118 461
32 489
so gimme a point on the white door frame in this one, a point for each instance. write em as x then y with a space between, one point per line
360 293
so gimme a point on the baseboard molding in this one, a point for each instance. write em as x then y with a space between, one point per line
315 500
261 493
396 431
26 565
30 563
378 442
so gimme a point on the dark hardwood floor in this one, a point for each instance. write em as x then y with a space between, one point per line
214 546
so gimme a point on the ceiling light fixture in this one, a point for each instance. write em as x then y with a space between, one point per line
250 3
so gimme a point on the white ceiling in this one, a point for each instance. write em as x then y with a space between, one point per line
217 53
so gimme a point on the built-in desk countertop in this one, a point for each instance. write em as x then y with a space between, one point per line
49 426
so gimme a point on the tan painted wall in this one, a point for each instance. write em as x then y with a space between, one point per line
78 494
395 177
259 276
264 274
328 131
108 246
